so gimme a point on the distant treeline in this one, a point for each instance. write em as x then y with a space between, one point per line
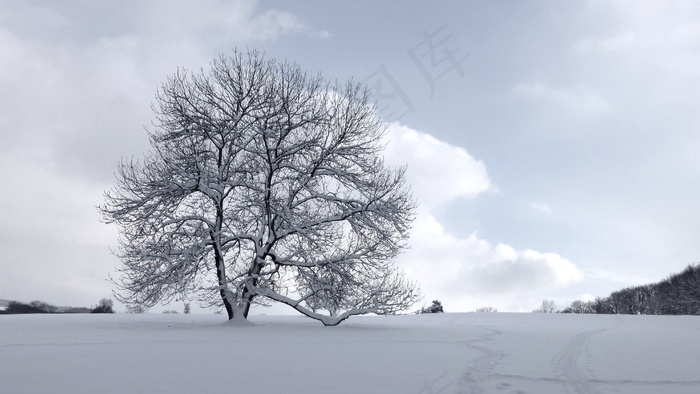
14 307
679 294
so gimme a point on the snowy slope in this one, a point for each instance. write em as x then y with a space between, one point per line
444 353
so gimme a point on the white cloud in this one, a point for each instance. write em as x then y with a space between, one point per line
88 92
542 208
215 26
658 37
587 297
614 43
53 246
77 81
617 278
437 171
466 271
472 272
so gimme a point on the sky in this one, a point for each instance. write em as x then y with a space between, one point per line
552 146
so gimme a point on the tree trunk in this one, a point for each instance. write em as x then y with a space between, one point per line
247 301
221 276
219 261
227 304
221 269
247 296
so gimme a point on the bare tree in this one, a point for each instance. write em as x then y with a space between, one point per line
273 181
548 306
584 307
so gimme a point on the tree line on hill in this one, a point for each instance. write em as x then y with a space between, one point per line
679 294
104 306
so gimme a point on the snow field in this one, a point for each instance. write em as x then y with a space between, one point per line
441 353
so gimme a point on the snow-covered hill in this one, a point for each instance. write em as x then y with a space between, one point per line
442 353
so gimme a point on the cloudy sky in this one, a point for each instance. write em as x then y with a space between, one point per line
553 146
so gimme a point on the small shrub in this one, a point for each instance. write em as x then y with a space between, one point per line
436 307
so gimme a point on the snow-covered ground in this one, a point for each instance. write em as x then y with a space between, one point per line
442 353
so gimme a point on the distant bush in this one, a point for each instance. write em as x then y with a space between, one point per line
19 308
14 307
104 306
486 309
80 309
436 307
45 307
171 311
